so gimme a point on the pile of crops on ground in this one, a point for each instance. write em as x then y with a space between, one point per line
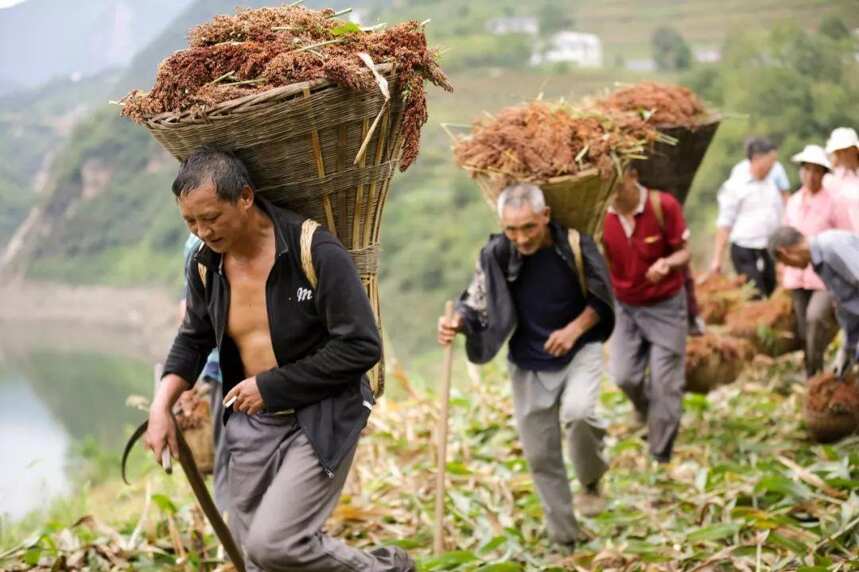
769 324
720 295
256 50
714 359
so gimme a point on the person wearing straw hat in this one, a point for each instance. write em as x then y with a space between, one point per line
811 211
644 240
834 256
750 208
549 288
293 352
843 182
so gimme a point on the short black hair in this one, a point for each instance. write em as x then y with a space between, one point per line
783 237
758 146
208 164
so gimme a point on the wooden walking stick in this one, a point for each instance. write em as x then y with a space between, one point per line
444 397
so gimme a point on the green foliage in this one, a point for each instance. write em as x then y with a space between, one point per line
670 51
554 17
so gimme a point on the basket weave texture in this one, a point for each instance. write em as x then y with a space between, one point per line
672 168
577 201
299 143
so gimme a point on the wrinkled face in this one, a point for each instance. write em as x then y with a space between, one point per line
811 176
527 230
798 255
847 157
761 165
218 223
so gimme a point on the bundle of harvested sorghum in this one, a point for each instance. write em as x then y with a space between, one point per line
194 417
769 324
720 295
537 141
659 104
256 50
832 406
714 359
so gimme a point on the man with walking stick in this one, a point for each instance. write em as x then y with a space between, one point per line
549 287
283 303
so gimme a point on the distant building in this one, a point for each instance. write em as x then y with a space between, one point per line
579 48
641 65
708 55
513 25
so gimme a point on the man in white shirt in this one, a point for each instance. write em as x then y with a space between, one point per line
750 209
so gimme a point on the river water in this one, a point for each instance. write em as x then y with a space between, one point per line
56 398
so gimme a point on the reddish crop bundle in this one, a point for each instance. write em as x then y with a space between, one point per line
538 141
659 104
832 407
256 50
713 360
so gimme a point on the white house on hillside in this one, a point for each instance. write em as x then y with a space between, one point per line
574 47
513 25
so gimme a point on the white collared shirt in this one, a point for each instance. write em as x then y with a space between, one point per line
752 209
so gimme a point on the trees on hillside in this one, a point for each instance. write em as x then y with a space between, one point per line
670 50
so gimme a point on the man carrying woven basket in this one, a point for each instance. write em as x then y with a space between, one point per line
644 239
293 353
549 287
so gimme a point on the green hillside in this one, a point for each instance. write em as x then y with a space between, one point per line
791 83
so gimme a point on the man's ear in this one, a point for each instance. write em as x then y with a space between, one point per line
246 198
547 212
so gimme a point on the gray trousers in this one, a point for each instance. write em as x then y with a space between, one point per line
544 401
816 325
222 454
653 338
281 499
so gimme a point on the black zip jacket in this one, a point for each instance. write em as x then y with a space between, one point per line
489 316
324 339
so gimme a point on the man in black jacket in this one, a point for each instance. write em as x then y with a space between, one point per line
549 287
293 359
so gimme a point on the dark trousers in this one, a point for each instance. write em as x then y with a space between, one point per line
757 266
816 325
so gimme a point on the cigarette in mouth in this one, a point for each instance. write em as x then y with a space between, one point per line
230 401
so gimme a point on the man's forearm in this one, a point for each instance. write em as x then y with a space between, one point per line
722 234
584 321
678 259
169 390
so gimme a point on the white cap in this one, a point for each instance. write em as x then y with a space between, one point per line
842 138
813 154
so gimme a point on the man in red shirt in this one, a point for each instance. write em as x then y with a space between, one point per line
645 243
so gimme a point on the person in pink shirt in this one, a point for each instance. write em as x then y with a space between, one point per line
843 182
811 210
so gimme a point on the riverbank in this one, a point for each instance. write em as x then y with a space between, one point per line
132 322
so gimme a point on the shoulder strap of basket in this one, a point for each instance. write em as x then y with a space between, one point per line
575 240
308 227
656 204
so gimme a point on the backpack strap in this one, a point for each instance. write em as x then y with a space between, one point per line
308 227
575 240
656 203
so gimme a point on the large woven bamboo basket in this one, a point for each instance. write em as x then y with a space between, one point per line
577 201
672 168
300 143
